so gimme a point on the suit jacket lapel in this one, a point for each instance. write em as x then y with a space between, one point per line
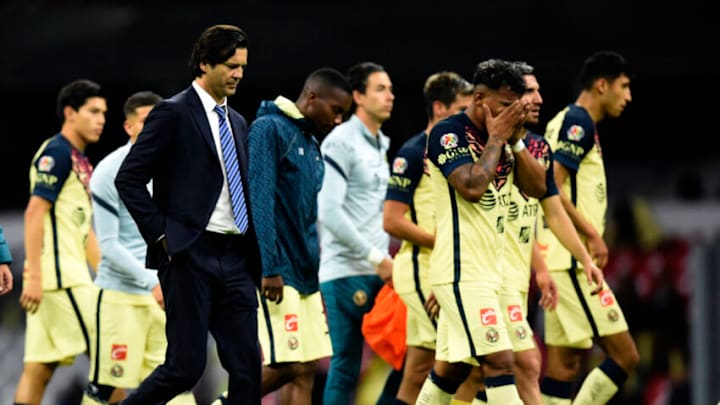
199 117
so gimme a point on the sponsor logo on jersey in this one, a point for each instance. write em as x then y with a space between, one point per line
449 140
575 133
515 313
119 351
291 322
606 298
488 316
399 166
46 163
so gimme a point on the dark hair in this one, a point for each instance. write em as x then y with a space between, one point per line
607 65
444 87
75 94
358 74
327 78
216 45
497 74
140 99
524 68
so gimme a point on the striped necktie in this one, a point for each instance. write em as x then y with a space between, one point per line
232 169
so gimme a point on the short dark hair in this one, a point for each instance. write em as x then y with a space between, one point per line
75 94
524 67
216 45
358 74
497 74
444 87
327 78
140 99
603 65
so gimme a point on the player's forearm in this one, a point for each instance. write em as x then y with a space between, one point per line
563 228
530 174
404 229
472 180
34 236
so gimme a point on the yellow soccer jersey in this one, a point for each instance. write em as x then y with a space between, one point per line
61 174
522 217
409 183
469 236
574 140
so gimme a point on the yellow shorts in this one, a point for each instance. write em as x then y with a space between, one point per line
570 325
421 330
295 330
130 340
62 326
470 323
514 305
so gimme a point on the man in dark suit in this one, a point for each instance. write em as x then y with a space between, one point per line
196 223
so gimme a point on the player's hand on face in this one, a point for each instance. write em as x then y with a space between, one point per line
272 288
507 121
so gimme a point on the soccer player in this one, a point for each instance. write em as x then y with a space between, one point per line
286 172
123 353
354 258
582 316
408 215
474 159
58 293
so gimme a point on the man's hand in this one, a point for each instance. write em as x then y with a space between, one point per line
598 250
384 270
32 292
6 279
158 295
432 306
548 290
272 288
594 275
507 122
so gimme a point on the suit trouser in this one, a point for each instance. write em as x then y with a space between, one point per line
346 301
208 287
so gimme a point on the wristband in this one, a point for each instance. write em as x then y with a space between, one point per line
375 256
519 146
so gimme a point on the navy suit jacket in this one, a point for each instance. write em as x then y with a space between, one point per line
176 150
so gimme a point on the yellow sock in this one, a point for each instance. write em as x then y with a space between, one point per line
459 402
597 388
186 398
477 401
503 394
86 400
431 394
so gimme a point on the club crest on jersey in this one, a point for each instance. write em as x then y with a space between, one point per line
613 315
399 166
521 333
492 335
117 370
575 133
360 298
46 163
293 343
449 140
